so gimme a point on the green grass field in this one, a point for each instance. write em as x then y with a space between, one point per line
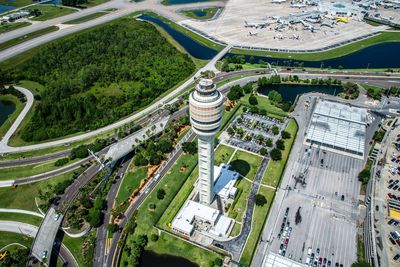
75 247
238 207
130 182
52 11
25 171
19 106
23 196
86 18
272 175
19 217
27 37
246 164
265 103
337 52
8 238
12 26
16 3
194 13
259 216
222 154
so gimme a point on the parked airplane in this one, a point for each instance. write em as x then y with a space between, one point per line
253 33
255 24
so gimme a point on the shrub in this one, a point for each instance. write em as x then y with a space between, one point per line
61 162
154 237
161 194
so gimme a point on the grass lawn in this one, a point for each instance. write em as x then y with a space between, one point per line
272 175
130 182
223 154
27 37
236 229
34 87
91 3
86 18
19 217
373 91
260 214
168 244
245 163
19 106
8 238
52 11
29 170
265 103
23 196
75 246
337 52
200 14
13 26
16 3
238 206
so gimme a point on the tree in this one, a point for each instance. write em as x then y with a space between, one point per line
275 97
269 143
280 144
161 193
253 100
189 147
361 264
276 154
154 237
275 130
95 217
140 160
235 93
252 60
218 262
112 228
263 151
285 135
230 131
260 200
248 88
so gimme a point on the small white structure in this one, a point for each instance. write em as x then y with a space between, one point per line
15 16
193 212
224 182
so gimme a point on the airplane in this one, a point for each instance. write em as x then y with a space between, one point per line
253 33
255 24
298 6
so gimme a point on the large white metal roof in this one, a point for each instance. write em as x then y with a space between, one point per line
338 126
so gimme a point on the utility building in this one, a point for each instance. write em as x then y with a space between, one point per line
206 104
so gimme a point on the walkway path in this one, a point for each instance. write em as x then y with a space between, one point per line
22 212
21 116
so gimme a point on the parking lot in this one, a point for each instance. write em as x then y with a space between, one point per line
252 132
328 204
387 199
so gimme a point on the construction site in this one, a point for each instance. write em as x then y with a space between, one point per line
298 24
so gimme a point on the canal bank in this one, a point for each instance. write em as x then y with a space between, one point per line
10 107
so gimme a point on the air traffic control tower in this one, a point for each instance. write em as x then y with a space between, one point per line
205 116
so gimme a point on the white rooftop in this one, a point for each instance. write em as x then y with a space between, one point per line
224 180
184 219
276 260
338 126
222 226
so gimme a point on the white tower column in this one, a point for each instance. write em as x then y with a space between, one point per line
205 116
206 168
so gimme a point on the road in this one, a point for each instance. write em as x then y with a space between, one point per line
30 231
171 97
113 253
21 116
100 247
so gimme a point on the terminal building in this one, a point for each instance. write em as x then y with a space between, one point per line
338 127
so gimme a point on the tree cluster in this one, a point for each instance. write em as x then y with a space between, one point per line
98 76
154 149
17 257
189 147
134 248
81 151
10 90
75 3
